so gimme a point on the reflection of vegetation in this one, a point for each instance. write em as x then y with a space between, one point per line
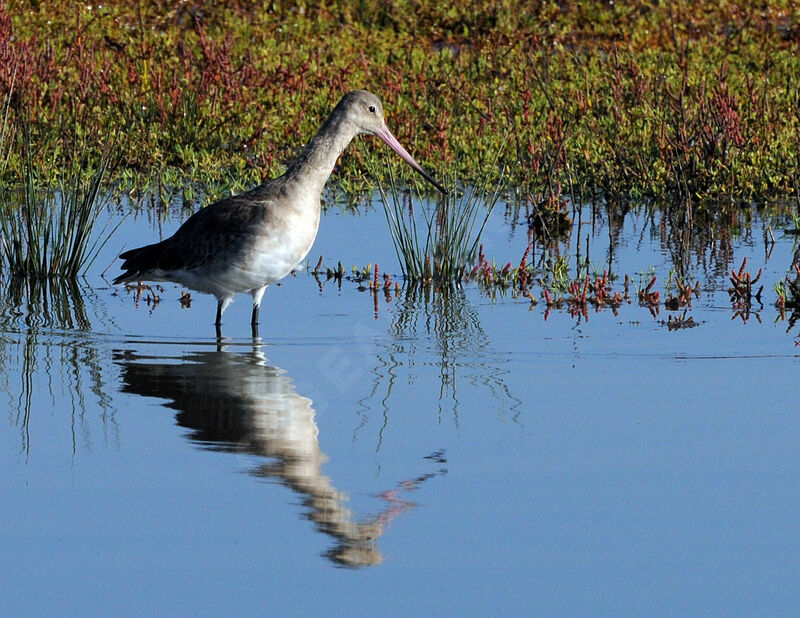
238 403
788 291
438 328
699 240
31 311
46 303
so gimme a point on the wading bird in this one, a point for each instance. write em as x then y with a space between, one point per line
245 242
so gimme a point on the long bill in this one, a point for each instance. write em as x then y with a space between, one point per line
391 141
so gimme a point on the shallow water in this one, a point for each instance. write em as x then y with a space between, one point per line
406 454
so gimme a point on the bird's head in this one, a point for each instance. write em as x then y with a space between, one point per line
365 111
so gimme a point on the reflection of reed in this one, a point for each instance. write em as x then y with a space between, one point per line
31 311
238 403
44 303
702 239
697 239
440 323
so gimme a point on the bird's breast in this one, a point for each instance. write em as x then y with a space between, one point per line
282 244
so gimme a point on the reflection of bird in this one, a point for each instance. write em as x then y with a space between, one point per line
237 403
246 242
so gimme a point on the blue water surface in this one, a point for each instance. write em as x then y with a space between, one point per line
431 455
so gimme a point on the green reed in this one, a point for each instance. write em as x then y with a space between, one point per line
440 247
51 232
6 135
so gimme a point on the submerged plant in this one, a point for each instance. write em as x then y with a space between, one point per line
48 233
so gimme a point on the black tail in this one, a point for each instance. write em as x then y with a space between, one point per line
138 262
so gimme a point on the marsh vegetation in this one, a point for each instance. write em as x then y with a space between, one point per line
684 100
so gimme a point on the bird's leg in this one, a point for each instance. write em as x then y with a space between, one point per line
254 322
222 304
219 319
257 294
219 313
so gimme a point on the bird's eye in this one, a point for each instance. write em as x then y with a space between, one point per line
371 109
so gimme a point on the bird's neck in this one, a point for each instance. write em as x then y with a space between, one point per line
313 166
